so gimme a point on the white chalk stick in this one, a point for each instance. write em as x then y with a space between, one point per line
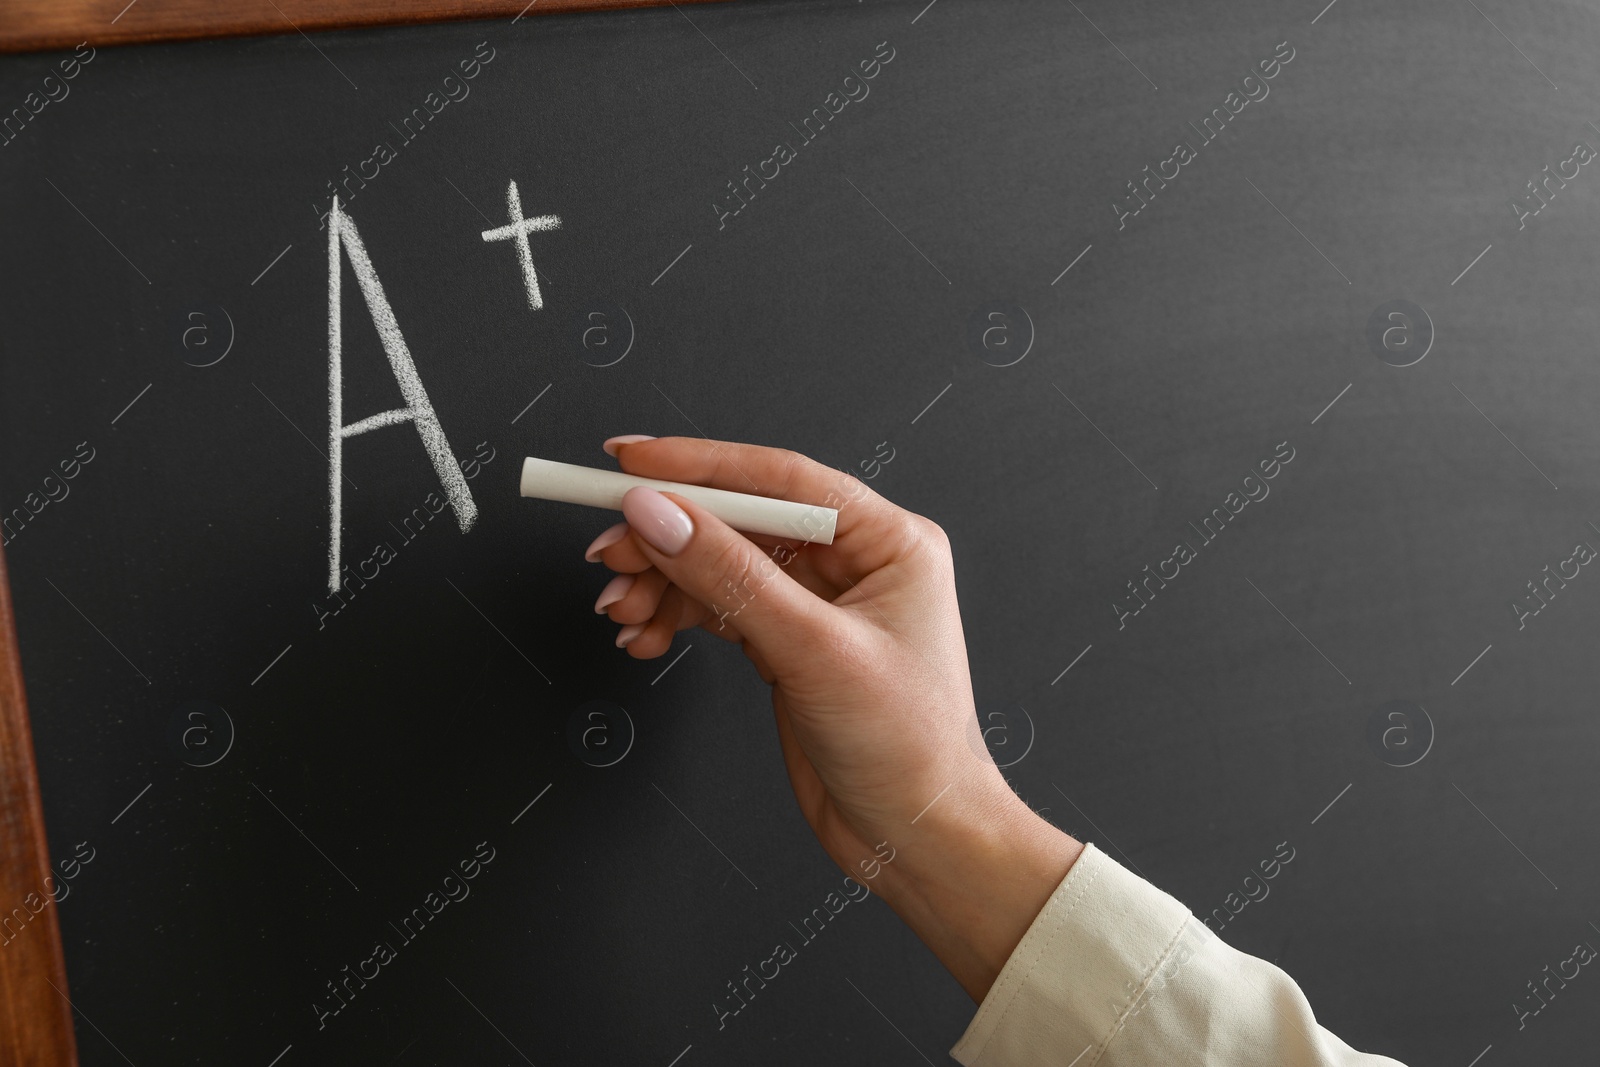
546 479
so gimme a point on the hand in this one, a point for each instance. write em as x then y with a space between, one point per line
862 644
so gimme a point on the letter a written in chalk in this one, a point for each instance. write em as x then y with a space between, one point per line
418 411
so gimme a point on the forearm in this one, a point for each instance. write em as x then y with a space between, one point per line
971 874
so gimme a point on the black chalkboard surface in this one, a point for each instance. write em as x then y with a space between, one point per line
1245 351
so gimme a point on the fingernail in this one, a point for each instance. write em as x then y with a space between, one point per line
614 591
628 633
657 519
613 443
605 541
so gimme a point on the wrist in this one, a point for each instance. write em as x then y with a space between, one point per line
972 872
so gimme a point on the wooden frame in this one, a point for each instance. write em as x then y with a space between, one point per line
35 1019
33 25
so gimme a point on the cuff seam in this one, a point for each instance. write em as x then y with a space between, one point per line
1017 979
1144 985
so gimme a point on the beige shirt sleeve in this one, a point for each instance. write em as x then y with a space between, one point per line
1115 973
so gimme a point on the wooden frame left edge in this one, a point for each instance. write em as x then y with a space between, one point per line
38 25
35 1014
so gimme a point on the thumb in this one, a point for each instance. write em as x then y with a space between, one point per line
724 570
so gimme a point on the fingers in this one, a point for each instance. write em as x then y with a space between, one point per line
727 573
653 640
632 597
679 566
608 537
866 520
653 637
627 557
640 595
622 553
618 551
639 601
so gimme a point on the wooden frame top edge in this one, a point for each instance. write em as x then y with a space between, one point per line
42 25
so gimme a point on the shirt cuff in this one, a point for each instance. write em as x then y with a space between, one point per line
1079 970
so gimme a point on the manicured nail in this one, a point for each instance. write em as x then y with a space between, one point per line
605 541
614 591
657 519
628 633
613 443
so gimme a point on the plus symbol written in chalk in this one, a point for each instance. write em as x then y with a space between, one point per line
518 231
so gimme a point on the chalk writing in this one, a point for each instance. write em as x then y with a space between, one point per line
342 233
517 232
354 578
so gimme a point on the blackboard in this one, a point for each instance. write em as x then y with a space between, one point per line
1068 278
